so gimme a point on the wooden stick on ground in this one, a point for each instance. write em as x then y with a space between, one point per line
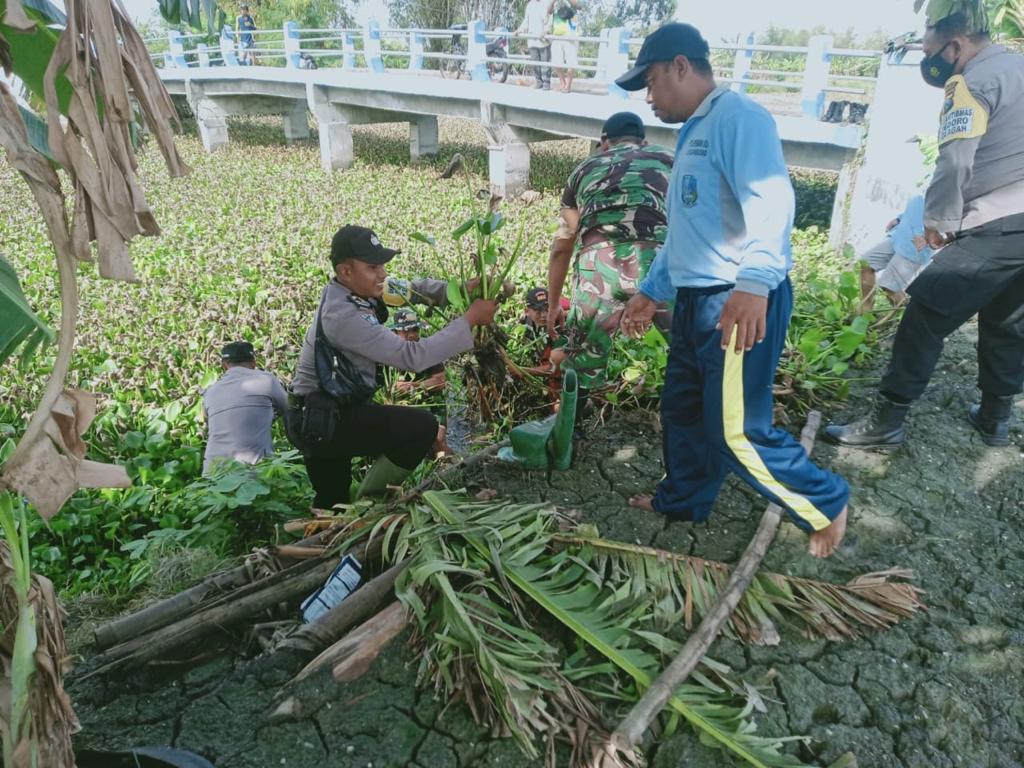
353 653
465 463
313 637
633 726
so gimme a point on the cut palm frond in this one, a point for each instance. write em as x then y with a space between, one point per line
477 647
684 587
495 585
604 618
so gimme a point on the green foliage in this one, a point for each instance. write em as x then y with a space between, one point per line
105 539
31 51
19 325
235 507
815 193
1007 17
827 335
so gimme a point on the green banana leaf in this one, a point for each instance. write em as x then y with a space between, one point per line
31 51
193 13
19 325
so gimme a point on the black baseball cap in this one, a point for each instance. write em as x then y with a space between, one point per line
623 124
664 44
537 298
238 352
360 243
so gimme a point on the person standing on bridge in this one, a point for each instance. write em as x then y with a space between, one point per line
536 23
612 222
725 261
564 51
974 212
245 25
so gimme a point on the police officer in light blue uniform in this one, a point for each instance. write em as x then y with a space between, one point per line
725 261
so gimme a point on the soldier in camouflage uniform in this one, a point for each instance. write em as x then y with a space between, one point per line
613 220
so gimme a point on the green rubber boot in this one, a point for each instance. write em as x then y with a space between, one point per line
548 442
379 476
560 442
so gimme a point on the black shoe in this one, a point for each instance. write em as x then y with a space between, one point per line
858 112
834 114
882 428
992 418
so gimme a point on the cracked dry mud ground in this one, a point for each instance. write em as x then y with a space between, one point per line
943 690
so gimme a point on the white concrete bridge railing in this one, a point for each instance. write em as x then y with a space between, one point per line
374 75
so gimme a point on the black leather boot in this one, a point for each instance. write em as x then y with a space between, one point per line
992 418
882 428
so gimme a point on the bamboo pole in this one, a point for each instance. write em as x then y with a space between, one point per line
633 726
285 586
358 648
168 611
176 607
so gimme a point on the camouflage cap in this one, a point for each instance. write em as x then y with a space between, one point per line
974 12
406 319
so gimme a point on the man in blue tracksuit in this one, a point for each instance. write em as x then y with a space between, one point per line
725 261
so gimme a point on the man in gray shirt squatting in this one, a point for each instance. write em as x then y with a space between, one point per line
240 408
352 316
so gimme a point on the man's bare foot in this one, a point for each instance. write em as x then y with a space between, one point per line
440 446
824 542
642 502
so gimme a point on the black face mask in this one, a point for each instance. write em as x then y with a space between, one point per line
936 70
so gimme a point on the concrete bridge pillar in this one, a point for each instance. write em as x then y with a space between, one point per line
335 129
211 118
892 170
423 138
296 124
508 153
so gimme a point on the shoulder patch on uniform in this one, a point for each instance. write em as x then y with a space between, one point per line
963 116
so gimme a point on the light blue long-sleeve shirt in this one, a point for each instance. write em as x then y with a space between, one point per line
730 206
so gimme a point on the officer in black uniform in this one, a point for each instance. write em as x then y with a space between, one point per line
974 212
332 416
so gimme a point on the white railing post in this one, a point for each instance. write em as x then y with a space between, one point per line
476 51
741 66
415 51
816 71
371 46
204 55
227 47
616 59
176 43
291 45
348 50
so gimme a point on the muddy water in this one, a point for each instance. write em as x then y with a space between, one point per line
943 690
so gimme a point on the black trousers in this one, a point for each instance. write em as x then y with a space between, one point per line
982 273
404 435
